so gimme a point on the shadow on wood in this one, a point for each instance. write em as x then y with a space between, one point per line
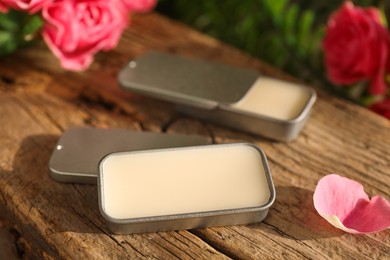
60 207
293 215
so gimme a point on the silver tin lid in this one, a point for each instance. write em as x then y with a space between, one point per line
77 153
199 83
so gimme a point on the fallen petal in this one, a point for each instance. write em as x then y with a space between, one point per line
345 205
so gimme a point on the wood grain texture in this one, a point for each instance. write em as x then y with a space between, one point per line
8 242
39 100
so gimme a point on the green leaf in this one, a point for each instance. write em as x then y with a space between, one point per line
275 8
8 43
8 23
4 37
15 26
290 23
33 24
305 31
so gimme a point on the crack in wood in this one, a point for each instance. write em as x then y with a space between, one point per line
99 228
189 241
165 127
96 101
92 119
284 234
75 186
286 246
134 248
52 120
279 231
19 245
7 80
210 132
165 249
25 108
217 247
141 125
169 242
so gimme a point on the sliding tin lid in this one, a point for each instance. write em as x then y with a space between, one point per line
185 80
78 152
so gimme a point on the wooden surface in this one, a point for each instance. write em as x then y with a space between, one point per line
40 217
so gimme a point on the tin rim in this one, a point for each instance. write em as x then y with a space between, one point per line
265 206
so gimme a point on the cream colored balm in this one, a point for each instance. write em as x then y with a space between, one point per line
275 98
184 180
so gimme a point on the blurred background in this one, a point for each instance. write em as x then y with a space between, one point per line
284 33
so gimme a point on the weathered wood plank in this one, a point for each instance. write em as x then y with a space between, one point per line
63 220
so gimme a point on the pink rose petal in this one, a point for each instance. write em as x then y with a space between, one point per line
140 6
3 8
345 205
32 6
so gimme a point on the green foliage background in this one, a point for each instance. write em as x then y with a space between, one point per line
285 33
17 29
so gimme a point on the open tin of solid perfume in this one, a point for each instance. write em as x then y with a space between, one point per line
236 97
184 188
79 150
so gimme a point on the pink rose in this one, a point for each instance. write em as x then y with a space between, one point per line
3 7
382 108
356 47
77 29
32 6
139 6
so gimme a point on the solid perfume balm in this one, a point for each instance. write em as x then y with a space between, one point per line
275 99
177 181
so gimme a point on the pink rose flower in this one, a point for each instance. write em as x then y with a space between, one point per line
76 29
3 7
32 6
139 6
356 47
382 108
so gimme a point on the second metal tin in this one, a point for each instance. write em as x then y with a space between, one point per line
216 92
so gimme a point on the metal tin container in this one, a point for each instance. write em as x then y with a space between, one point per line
184 188
78 152
214 92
